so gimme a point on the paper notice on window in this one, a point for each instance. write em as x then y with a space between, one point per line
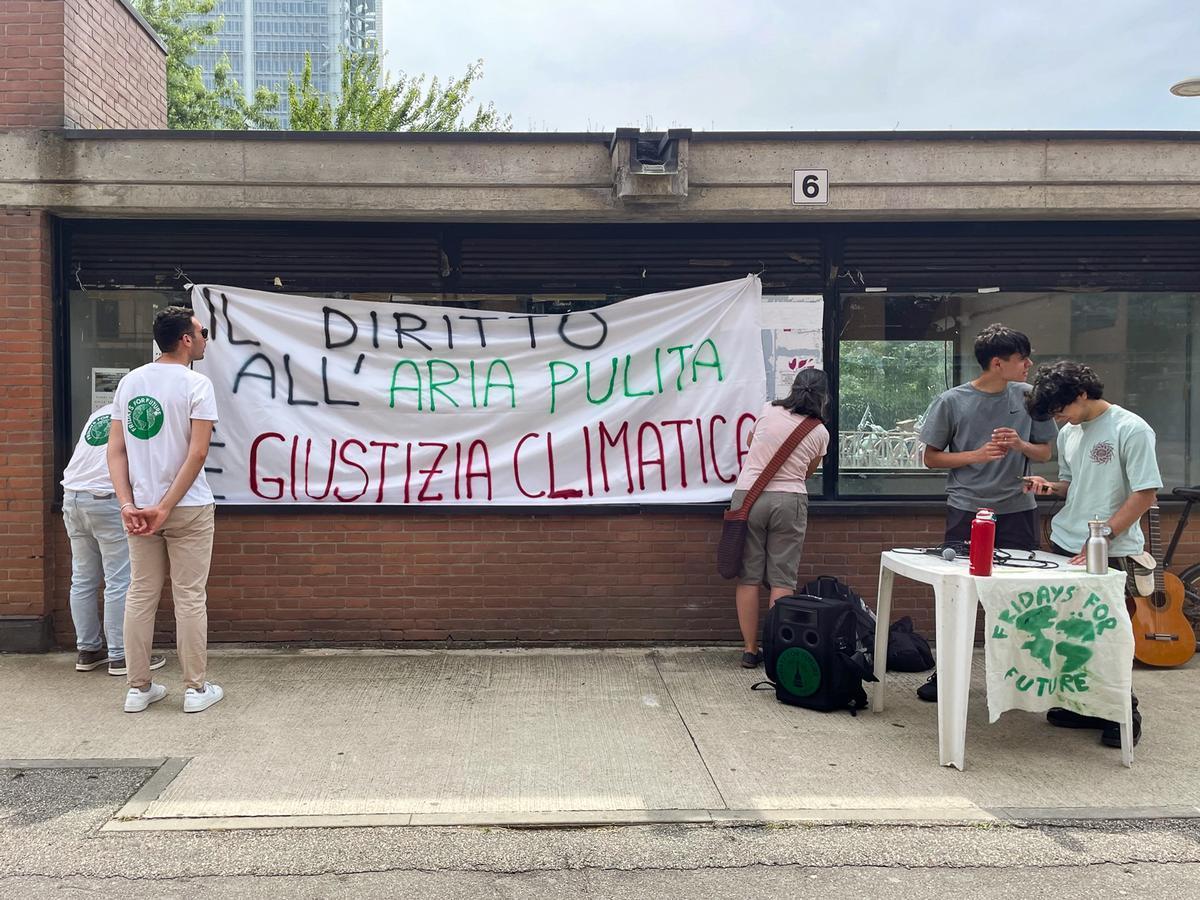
792 338
104 386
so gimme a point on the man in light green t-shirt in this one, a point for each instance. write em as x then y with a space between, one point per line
1107 470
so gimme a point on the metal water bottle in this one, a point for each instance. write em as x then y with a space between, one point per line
1096 547
983 542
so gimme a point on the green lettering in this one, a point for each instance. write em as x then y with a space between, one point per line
682 365
395 387
612 382
629 359
436 386
555 382
507 385
714 363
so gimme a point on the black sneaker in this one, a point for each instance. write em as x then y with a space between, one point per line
90 659
928 691
751 660
1065 718
118 667
1111 735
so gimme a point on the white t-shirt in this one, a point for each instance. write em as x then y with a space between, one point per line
88 468
157 403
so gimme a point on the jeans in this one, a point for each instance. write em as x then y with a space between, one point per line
99 552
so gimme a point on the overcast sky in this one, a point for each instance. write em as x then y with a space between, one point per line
771 65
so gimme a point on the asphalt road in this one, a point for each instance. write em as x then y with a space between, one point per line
50 846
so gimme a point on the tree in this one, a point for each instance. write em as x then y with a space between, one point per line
371 101
895 380
191 104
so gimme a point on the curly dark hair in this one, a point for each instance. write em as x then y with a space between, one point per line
1002 341
171 324
1059 385
809 395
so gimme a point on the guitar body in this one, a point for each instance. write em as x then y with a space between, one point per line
1162 635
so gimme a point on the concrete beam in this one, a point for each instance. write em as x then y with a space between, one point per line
540 178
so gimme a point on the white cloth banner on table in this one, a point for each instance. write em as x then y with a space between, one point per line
1057 642
648 400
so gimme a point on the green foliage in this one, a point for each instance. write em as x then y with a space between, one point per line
371 101
897 380
191 105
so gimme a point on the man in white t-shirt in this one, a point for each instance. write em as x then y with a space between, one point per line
165 415
99 552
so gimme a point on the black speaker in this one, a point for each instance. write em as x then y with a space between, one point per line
807 647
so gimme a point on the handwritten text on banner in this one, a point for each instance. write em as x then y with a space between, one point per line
648 400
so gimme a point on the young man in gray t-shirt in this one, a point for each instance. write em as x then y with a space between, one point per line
981 432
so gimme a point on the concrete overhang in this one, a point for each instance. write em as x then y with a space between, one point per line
547 177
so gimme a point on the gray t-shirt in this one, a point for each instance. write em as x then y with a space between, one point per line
963 418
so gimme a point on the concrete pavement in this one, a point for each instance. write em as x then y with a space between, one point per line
568 737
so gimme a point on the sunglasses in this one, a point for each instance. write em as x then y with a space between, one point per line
203 334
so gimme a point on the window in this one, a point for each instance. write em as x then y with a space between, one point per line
898 352
111 332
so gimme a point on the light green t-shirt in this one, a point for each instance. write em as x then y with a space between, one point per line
1106 460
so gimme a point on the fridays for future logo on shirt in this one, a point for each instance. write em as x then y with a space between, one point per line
97 432
145 417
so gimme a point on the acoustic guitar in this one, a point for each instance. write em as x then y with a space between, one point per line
1162 635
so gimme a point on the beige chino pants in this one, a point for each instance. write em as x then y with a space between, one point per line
184 547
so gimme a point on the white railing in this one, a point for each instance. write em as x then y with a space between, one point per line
879 449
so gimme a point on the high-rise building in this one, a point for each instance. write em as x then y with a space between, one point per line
266 40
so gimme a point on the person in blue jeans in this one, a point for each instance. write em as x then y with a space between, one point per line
99 551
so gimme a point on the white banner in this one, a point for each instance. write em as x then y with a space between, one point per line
648 400
1057 642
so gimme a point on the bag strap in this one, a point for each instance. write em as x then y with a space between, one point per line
785 450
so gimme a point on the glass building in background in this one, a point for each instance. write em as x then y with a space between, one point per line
266 40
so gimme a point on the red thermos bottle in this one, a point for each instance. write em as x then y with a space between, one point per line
983 542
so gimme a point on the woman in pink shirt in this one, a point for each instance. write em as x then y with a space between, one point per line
779 518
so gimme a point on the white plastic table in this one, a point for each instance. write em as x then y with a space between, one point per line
956 603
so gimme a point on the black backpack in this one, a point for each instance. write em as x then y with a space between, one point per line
832 589
908 651
810 657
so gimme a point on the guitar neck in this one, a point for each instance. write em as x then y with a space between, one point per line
1153 536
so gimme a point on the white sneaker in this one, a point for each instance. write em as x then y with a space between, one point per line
137 700
198 701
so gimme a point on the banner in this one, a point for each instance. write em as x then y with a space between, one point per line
1057 642
648 400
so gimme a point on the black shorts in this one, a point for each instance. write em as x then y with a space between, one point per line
1014 531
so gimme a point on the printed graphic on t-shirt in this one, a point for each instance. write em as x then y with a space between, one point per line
145 417
1102 452
97 432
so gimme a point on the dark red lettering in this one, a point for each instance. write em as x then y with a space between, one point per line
254 479
435 469
337 491
517 465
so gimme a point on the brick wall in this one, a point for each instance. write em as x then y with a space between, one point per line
79 64
399 576
26 414
31 60
116 74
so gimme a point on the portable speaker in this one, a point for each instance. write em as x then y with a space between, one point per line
808 643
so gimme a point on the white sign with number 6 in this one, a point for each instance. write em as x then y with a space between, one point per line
810 186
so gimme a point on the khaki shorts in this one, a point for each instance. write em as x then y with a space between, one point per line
778 521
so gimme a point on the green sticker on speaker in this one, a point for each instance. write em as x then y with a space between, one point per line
798 671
